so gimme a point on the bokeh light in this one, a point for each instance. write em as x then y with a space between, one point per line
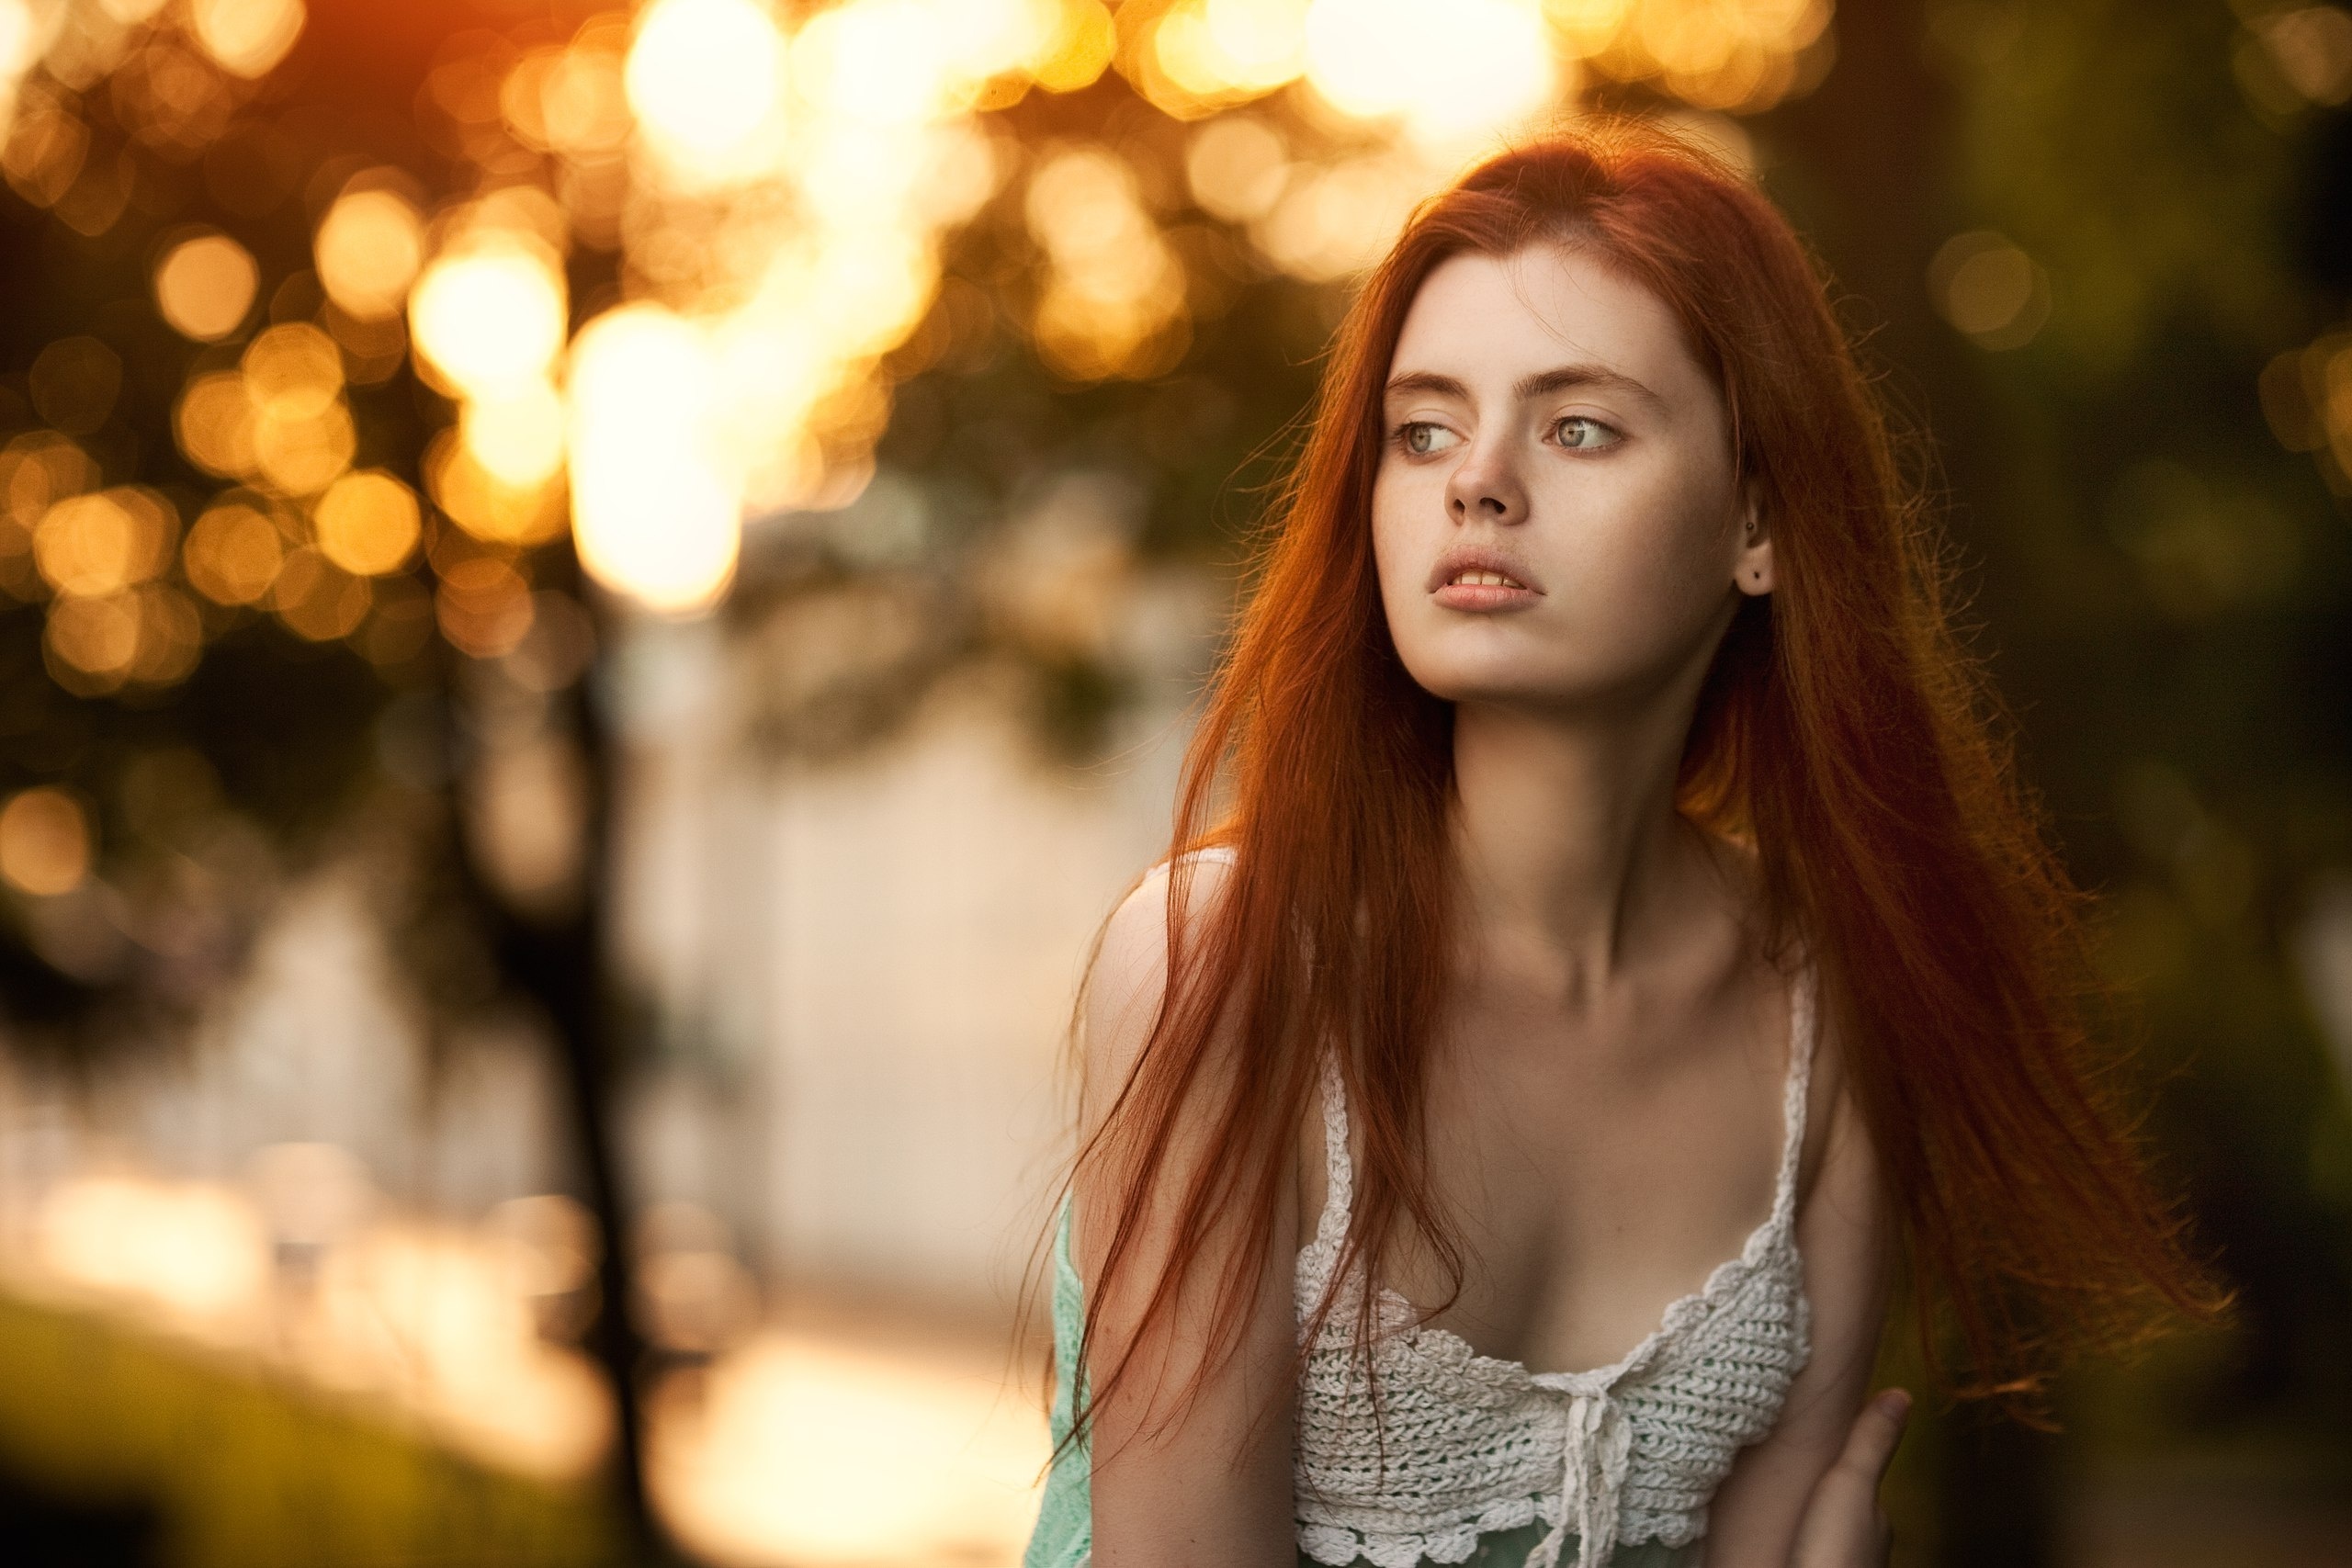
213 421
516 436
369 523
484 605
654 513
247 36
705 75
317 598
1115 298
368 248
486 506
44 841
87 645
1488 67
827 1451
92 546
1232 49
1989 288
233 552
1236 167
490 319
293 371
204 286
194 1248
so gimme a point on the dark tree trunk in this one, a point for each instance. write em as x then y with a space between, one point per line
562 963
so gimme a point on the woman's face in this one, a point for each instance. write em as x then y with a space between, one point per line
1554 517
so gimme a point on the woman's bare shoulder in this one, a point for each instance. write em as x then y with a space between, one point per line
1129 974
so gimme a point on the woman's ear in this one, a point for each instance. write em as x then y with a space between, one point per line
1753 573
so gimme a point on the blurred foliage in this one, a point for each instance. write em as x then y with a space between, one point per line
2168 591
232 1473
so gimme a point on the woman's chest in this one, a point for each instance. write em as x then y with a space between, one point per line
1587 1181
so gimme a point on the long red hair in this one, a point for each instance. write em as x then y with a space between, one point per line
1842 733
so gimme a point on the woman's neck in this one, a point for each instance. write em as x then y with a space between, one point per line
1573 857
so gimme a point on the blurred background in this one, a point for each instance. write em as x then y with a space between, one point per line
595 601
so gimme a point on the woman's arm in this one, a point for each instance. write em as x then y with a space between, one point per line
1177 1482
1843 1233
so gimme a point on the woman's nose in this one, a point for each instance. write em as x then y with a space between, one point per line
1484 487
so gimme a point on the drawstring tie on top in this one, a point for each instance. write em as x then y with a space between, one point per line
1599 1444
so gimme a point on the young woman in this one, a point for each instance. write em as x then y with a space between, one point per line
1621 948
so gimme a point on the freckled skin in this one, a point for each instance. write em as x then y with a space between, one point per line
1624 510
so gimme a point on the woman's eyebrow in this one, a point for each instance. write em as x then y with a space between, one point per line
1536 384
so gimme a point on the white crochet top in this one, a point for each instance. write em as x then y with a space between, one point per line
1465 1444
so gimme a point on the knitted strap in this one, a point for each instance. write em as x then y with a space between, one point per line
1803 1014
1339 1179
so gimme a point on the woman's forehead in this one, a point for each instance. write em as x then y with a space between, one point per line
1489 320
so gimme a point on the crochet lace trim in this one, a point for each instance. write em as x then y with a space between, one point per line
1468 1444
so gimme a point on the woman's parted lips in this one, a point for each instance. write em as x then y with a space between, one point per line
1482 564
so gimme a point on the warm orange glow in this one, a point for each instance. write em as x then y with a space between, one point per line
1236 167
485 506
830 1452
293 371
171 636
1082 50
214 422
517 437
247 36
484 606
1114 303
44 841
88 645
1335 219
368 248
91 545
1489 65
877 62
573 100
205 285
317 598
195 1249
705 75
40 469
369 523
654 514
234 553
300 453
434 1321
1227 50
490 319
429 1311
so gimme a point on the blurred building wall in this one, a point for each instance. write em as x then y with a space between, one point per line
864 969
934 904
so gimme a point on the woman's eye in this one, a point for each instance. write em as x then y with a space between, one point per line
1581 433
1420 438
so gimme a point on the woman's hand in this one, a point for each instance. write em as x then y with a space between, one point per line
1843 1526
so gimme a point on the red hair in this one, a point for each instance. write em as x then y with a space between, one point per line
1842 733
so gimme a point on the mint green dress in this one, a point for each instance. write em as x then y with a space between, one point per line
1064 1536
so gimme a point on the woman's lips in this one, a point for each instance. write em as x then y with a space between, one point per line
1479 588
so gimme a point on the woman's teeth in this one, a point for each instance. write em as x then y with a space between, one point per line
1485 580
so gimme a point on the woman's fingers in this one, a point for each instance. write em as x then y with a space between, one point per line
1876 1432
1843 1527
